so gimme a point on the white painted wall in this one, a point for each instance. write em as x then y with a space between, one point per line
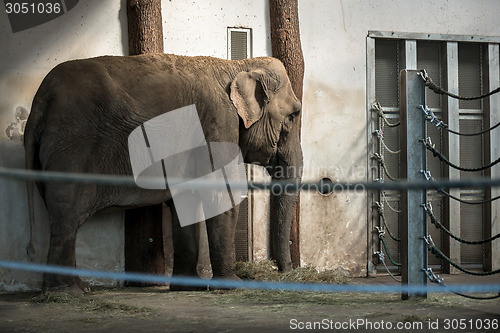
334 118
92 28
200 27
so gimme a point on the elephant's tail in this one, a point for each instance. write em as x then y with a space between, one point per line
32 162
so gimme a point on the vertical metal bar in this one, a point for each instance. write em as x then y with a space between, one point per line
413 160
409 54
492 107
451 116
372 170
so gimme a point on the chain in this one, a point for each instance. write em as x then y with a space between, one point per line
381 235
428 176
438 90
440 281
472 134
382 259
439 225
380 136
380 159
433 277
434 250
468 202
377 107
433 119
428 144
389 205
380 209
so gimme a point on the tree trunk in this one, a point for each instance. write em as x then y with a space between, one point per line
145 30
286 46
143 226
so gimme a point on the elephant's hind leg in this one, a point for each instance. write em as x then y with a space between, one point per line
64 223
185 252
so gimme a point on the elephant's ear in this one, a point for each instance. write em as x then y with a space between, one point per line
248 96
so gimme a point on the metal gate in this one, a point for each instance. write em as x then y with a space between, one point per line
455 63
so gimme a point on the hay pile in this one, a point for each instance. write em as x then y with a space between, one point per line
266 270
89 304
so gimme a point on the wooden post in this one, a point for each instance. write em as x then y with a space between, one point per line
286 46
145 30
143 226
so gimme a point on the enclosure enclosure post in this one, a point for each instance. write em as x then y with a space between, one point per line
413 162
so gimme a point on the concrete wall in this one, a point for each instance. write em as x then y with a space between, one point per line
92 28
334 133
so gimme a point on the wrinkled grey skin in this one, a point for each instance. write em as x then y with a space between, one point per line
84 111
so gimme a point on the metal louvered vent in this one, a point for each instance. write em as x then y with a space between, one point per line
239 47
472 229
469 74
239 43
387 72
429 58
241 238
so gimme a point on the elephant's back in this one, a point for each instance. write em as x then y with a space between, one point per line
85 119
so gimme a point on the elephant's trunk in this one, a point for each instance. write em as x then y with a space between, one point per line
288 166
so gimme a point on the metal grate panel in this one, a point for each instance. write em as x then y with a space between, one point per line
239 44
471 228
469 74
241 238
393 222
387 72
471 147
429 58
392 140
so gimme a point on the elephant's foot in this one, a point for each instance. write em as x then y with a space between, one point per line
189 272
181 287
67 284
229 278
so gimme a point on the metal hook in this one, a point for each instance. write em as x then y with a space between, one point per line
428 240
381 232
433 277
379 134
427 174
423 74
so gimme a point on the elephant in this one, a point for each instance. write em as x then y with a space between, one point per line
84 111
